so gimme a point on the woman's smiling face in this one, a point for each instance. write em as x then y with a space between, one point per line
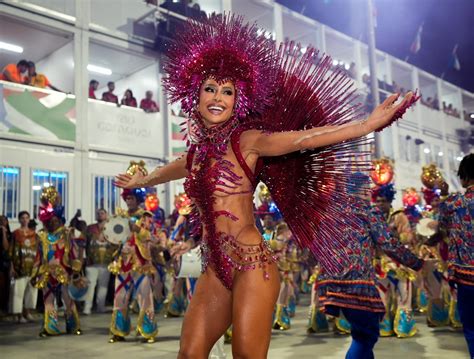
216 102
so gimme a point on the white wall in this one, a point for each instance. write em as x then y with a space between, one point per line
59 68
139 82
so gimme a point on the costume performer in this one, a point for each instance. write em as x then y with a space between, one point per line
394 279
177 299
442 306
248 100
456 220
355 294
317 321
279 244
134 269
412 208
99 254
56 262
23 252
159 250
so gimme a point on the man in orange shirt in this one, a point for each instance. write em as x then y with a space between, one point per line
39 80
15 73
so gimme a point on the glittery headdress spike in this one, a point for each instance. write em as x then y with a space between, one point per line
221 47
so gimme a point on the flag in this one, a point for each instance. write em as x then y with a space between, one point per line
454 61
416 44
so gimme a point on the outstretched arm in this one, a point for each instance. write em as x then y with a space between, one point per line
172 171
280 143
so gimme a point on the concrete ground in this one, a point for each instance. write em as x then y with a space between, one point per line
20 341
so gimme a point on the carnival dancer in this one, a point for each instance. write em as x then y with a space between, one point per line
159 250
246 100
355 294
317 321
414 212
23 251
178 298
279 245
57 261
134 268
99 254
439 294
456 220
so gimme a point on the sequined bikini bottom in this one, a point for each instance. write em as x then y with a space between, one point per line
226 255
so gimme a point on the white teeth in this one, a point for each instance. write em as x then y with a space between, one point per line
217 108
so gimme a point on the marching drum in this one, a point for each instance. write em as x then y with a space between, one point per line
423 229
189 264
78 287
117 230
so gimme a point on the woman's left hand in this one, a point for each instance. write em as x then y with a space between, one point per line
384 113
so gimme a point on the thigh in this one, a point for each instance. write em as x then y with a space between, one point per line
208 316
254 299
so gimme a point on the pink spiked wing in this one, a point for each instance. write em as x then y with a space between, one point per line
225 49
309 187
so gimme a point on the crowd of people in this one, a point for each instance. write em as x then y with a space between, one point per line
147 104
399 268
24 72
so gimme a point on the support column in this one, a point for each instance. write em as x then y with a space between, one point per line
278 23
81 181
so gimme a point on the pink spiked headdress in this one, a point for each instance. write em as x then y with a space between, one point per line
225 49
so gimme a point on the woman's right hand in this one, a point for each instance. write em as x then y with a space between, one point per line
124 180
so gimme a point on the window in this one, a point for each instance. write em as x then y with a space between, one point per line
427 152
438 156
452 160
403 146
414 151
106 194
45 178
9 191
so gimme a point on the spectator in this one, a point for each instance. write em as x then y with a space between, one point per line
32 224
366 79
109 96
39 80
128 99
93 86
23 252
15 73
148 104
5 238
352 70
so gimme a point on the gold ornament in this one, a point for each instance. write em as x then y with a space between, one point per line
264 194
431 176
137 166
49 194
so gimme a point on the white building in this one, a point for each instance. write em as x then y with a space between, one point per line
79 144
